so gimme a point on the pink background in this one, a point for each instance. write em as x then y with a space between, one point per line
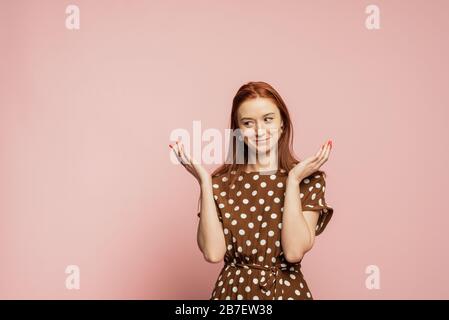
85 120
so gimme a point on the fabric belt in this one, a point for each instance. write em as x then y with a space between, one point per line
273 276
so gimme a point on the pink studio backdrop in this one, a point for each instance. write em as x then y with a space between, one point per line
86 116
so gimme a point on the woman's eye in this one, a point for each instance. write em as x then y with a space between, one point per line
269 119
246 123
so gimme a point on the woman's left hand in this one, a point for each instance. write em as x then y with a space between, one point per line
311 164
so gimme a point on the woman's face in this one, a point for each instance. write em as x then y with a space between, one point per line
260 123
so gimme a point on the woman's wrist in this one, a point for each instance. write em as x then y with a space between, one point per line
294 178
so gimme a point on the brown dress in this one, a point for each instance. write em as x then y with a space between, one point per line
251 214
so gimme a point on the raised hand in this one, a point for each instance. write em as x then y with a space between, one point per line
311 164
193 167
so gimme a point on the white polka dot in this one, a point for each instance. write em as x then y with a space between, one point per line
243 216
223 193
263 184
224 179
262 242
268 293
227 215
273 177
267 208
251 225
317 185
248 243
259 218
273 260
306 180
254 193
280 225
260 258
245 201
274 216
270 193
261 201
247 185
240 178
241 280
234 289
308 295
215 186
256 177
292 276
277 243
220 283
301 195
257 235
287 283
268 250
254 251
230 247
270 233
225 230
264 225
255 298
241 232
280 184
234 222
239 193
236 208
297 292
230 201
277 200
252 209
247 288
301 285
221 205
313 196
240 249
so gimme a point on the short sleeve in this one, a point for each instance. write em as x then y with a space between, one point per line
217 186
312 196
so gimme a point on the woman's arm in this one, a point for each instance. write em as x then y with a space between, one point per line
298 227
210 236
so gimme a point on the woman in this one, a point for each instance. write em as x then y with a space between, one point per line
261 210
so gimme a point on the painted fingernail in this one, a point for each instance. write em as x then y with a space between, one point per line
170 146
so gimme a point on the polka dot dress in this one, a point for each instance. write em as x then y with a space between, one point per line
250 211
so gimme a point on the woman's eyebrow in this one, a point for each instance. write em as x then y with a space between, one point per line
271 113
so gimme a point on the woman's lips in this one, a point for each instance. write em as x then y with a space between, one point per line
262 140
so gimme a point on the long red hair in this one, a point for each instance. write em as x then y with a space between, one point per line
286 157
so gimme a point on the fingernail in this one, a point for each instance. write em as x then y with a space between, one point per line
170 146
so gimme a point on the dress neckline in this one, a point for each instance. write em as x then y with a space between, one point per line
264 172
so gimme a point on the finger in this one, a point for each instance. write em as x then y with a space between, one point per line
186 160
319 154
326 155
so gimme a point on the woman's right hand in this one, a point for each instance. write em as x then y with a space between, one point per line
194 167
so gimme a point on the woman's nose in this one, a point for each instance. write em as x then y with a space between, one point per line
261 131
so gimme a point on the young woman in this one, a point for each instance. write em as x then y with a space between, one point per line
260 216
